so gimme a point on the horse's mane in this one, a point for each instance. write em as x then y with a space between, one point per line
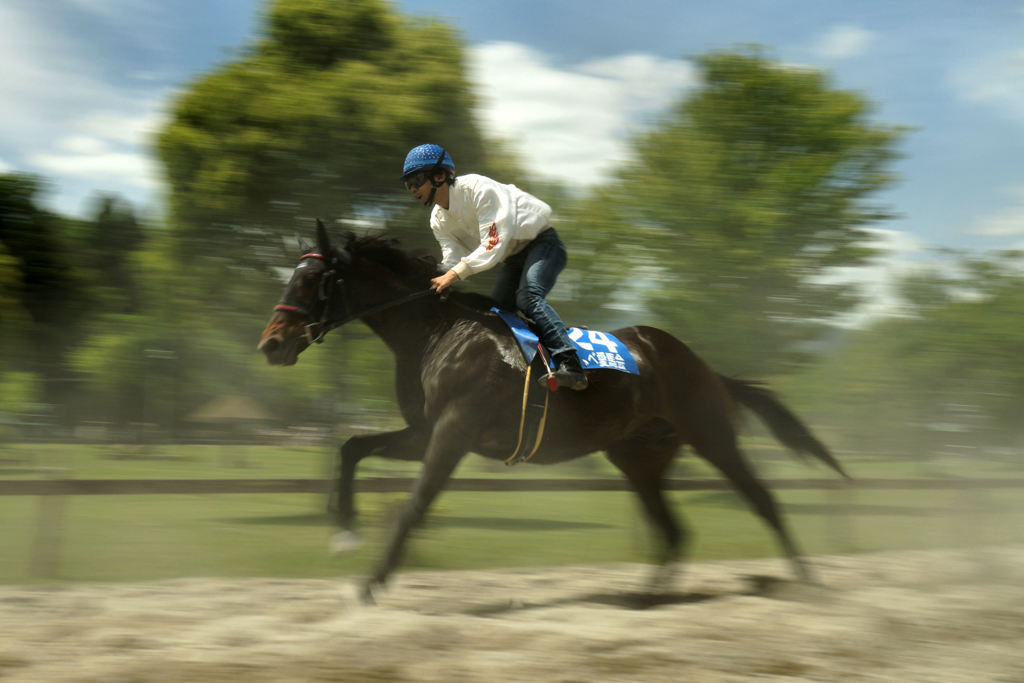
387 251
418 267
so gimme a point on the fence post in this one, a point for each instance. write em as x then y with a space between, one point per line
840 519
49 520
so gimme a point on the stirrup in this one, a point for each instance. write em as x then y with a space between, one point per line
564 379
571 378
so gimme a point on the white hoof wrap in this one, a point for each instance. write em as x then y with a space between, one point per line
344 542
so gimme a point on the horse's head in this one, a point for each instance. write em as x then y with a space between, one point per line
314 299
370 277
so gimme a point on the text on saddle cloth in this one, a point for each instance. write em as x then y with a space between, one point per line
596 350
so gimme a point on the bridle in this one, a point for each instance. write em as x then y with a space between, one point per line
330 293
319 312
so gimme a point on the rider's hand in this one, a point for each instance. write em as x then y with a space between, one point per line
443 282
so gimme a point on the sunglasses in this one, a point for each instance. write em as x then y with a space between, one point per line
416 179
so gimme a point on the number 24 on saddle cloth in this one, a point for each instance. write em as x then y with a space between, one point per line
596 350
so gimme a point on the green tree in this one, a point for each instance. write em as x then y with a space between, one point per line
947 372
739 201
312 120
13 318
860 397
108 242
42 291
19 391
965 346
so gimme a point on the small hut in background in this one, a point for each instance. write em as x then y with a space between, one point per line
234 422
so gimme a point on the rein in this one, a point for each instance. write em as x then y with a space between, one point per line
377 309
325 324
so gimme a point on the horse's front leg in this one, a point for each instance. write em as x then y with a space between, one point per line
448 444
398 445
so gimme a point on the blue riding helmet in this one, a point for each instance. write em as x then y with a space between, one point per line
427 157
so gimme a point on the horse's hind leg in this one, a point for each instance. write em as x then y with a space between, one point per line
644 463
719 447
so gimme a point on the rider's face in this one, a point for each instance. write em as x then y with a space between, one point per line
420 187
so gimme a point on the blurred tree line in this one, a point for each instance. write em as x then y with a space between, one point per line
945 376
718 227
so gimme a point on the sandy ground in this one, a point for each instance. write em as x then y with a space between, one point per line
910 616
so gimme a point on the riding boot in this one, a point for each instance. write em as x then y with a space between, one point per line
568 373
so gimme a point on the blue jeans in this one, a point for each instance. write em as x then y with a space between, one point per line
526 279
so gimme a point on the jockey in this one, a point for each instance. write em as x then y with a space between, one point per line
480 223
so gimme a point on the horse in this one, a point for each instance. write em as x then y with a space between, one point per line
458 380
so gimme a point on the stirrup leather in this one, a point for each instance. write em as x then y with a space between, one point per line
529 420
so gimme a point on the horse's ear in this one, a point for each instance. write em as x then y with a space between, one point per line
322 240
304 246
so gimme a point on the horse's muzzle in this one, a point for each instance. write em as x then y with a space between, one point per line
282 343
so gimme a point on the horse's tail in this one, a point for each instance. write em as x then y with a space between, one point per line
784 425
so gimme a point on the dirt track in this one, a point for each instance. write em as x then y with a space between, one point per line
915 616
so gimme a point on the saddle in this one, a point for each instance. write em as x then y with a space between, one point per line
596 350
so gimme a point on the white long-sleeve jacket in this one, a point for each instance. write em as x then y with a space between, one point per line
485 223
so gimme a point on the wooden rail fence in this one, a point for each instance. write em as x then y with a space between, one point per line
77 487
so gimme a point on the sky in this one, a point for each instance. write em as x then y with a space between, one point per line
85 83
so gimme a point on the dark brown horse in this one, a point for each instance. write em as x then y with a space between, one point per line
459 380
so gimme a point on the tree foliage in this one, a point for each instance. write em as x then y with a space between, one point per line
312 120
947 374
106 245
752 188
41 293
966 343
721 229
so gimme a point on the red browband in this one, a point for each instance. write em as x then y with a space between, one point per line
312 255
285 307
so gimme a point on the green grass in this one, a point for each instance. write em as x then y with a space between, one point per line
140 537
30 461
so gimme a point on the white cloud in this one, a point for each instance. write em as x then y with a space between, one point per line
900 255
843 42
1005 222
82 144
998 80
5 167
572 122
135 124
106 168
109 148
64 118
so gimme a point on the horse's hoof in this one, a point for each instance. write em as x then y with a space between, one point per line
663 578
366 594
804 573
344 542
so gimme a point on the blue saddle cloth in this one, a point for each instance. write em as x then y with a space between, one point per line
596 350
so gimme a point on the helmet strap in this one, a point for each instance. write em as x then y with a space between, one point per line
430 198
434 183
